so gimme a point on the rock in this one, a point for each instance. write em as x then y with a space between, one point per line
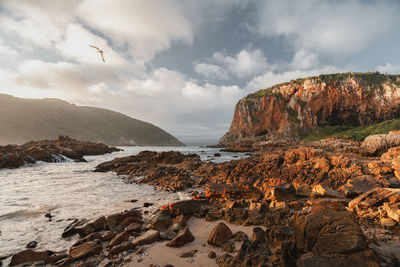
392 210
303 190
219 235
92 226
71 228
116 219
240 236
380 143
217 154
133 227
359 185
30 256
283 192
168 234
120 248
228 246
258 235
183 237
147 204
90 237
212 255
149 237
322 191
161 221
376 197
326 233
186 207
387 222
32 244
188 254
118 239
85 250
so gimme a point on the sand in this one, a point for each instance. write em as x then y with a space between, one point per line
159 254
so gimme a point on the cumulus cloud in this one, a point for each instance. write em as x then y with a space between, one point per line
329 27
244 64
389 68
144 26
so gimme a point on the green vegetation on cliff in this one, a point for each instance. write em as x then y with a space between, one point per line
23 120
351 132
373 79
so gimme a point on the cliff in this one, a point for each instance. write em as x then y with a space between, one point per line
22 120
294 108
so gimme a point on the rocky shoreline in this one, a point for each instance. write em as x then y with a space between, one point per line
328 203
62 149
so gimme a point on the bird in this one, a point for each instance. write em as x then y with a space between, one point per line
101 52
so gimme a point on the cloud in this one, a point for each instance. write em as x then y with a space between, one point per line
145 27
244 64
7 51
389 68
329 27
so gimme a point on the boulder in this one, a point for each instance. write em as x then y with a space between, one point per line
392 210
380 143
119 248
283 192
219 235
118 239
183 237
328 232
186 207
359 185
30 256
116 219
91 226
376 197
149 237
85 250
322 191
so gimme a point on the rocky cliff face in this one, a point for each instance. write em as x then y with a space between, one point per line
295 107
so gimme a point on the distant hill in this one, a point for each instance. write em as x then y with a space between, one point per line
22 120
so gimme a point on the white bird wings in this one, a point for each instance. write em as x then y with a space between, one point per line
100 52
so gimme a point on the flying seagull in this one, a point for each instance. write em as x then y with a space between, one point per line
100 52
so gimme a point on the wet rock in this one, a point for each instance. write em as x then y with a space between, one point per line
258 235
149 237
219 235
90 237
92 226
116 219
107 236
217 154
30 256
240 236
183 237
359 185
85 250
186 207
228 246
71 228
161 221
147 204
32 244
118 239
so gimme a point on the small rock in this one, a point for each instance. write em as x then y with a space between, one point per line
168 234
228 246
183 237
30 256
32 244
118 239
147 204
219 235
188 254
85 250
217 154
212 255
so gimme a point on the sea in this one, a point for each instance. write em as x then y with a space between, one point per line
71 190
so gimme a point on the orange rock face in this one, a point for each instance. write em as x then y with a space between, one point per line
293 108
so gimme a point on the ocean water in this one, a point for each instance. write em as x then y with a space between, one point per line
70 190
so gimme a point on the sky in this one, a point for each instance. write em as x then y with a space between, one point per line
184 64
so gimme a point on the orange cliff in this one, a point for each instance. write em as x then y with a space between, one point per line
293 108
